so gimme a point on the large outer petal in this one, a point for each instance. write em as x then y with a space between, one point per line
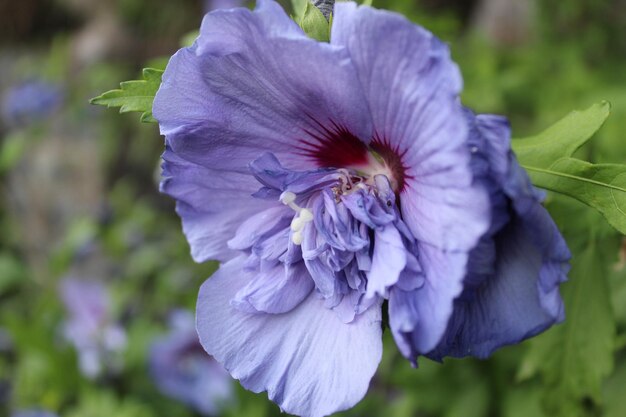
252 82
211 203
310 362
412 88
518 296
519 301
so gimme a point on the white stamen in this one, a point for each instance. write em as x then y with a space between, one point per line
306 215
297 224
296 237
287 197
303 216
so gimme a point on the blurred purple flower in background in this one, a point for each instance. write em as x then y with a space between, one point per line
90 326
34 412
30 101
184 371
379 186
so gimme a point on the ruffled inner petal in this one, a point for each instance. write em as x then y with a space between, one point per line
279 289
388 261
260 226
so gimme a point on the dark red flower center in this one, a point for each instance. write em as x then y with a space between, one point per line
336 147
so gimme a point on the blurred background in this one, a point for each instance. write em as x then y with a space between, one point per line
97 287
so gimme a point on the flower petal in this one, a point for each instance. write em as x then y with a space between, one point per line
254 82
259 226
211 203
513 304
305 359
432 303
412 88
403 317
512 286
275 291
388 261
246 86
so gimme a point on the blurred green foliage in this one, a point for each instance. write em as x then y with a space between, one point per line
131 239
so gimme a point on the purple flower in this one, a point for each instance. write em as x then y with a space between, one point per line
183 370
30 101
329 178
90 327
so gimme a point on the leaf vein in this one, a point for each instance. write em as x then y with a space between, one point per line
574 177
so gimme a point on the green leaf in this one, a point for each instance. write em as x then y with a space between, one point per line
561 139
615 400
134 96
601 186
574 357
548 160
298 7
314 24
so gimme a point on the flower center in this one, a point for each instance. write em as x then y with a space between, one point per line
371 183
377 165
335 147
348 182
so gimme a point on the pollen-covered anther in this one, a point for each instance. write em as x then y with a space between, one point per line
296 237
297 224
288 198
303 216
348 182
